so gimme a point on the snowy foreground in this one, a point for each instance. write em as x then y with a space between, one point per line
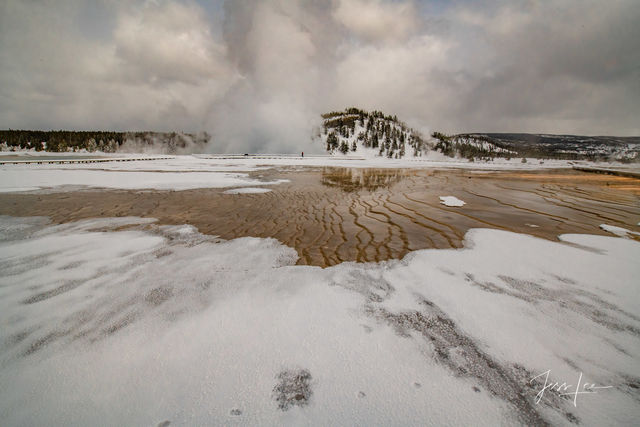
102 326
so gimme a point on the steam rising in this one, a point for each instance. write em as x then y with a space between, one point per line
282 53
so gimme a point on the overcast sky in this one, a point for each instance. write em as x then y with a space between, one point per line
256 74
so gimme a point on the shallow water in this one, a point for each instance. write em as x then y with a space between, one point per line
331 215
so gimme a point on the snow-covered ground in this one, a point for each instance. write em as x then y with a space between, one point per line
209 171
430 160
161 323
173 173
247 190
618 231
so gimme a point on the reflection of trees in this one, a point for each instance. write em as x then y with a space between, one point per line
357 179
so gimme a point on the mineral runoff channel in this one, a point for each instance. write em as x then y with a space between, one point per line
332 215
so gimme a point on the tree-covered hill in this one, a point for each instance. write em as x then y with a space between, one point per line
369 133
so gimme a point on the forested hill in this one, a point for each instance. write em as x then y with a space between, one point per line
108 142
370 134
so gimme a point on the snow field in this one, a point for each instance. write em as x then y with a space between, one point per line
162 323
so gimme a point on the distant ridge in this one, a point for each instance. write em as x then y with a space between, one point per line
107 142
544 146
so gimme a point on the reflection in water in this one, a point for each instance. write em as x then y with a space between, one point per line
350 180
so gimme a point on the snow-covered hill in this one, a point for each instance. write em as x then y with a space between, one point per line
471 146
369 134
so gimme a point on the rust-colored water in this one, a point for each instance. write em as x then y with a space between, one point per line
331 215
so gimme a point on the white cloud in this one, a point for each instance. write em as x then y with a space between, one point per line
394 78
168 42
378 20
159 69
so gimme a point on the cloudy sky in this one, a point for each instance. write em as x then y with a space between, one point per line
256 74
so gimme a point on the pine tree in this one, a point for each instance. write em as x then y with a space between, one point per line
332 142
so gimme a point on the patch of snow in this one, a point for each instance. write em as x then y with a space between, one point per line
15 178
618 231
451 201
247 190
